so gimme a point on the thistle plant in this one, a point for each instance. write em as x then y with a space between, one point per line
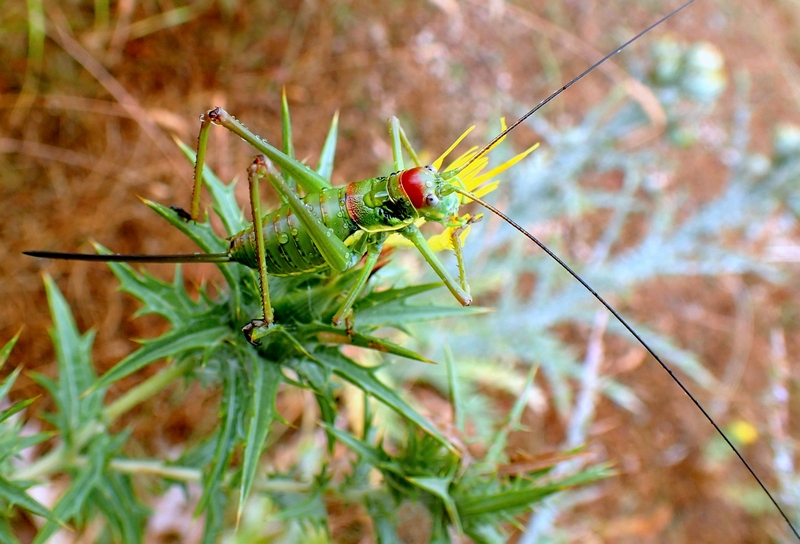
394 456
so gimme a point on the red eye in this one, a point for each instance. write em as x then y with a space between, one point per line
413 182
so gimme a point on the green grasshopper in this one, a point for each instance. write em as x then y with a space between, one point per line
334 228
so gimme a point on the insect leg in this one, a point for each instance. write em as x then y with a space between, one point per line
202 144
346 310
412 234
336 254
462 271
256 171
308 179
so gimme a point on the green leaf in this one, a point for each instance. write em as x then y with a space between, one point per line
17 407
382 510
226 437
202 333
5 351
389 295
454 389
167 300
266 380
8 383
75 372
287 143
214 518
513 500
73 501
400 311
373 456
326 157
440 488
126 518
498 444
336 335
17 495
365 379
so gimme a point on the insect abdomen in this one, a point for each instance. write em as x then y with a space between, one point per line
289 248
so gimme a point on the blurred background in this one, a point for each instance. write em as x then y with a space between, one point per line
668 177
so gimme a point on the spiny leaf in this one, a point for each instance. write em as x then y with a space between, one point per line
365 379
15 408
335 335
17 495
376 298
203 332
8 383
374 456
498 444
73 501
454 390
126 517
265 383
440 488
287 142
167 300
226 436
511 500
204 237
6 533
214 518
5 351
75 372
399 312
326 157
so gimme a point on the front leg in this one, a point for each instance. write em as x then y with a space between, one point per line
345 312
255 172
412 234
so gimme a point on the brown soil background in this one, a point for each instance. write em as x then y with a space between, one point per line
77 154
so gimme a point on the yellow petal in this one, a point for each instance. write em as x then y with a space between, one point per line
486 189
464 157
438 162
396 240
505 166
440 242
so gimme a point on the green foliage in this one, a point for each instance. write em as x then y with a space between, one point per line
414 460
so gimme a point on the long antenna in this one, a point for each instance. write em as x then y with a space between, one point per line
625 324
573 81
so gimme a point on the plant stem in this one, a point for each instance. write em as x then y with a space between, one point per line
145 390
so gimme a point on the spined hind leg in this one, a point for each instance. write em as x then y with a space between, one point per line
258 328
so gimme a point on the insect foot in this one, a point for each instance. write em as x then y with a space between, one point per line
257 328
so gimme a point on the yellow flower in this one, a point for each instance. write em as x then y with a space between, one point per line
473 180
744 432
